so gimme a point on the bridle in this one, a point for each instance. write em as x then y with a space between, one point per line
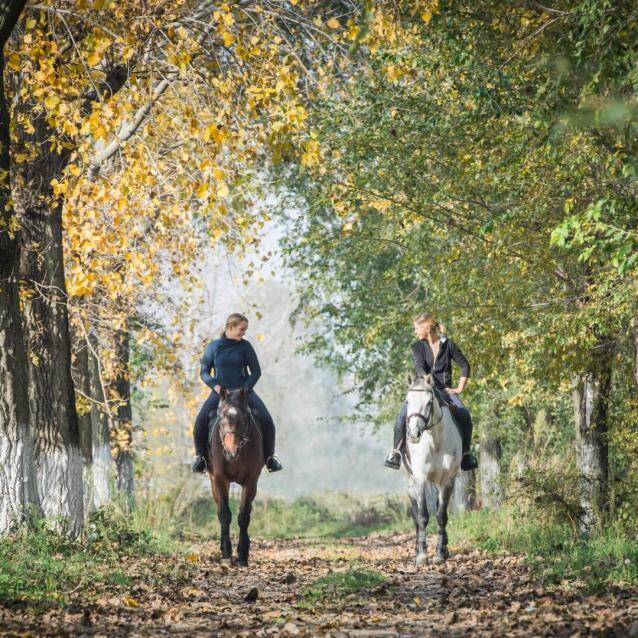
427 417
243 437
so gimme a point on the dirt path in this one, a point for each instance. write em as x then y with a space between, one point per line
473 594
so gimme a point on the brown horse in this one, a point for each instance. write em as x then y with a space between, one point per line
235 455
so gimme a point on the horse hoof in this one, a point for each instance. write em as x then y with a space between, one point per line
421 560
225 562
241 562
439 559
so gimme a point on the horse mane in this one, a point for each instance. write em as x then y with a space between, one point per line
420 383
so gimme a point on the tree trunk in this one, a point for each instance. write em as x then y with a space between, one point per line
123 416
82 384
464 494
53 416
101 431
591 397
17 473
636 350
490 470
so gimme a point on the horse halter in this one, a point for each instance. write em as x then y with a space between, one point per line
427 417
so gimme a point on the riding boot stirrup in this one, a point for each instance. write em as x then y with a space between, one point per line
468 462
273 464
393 460
199 464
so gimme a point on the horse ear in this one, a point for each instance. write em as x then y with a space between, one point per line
243 392
410 378
222 393
429 379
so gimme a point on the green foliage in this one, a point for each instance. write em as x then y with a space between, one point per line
342 583
484 171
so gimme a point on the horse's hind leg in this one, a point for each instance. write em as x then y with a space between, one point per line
421 517
442 552
220 493
243 519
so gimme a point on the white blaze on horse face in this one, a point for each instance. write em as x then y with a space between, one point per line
232 411
418 401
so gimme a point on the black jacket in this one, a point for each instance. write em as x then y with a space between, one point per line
448 351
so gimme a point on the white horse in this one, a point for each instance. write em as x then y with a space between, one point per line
432 455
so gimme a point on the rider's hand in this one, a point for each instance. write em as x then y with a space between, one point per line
453 390
217 388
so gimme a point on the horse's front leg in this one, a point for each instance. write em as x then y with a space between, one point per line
442 552
220 493
421 517
243 519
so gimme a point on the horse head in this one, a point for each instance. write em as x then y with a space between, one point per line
420 407
234 422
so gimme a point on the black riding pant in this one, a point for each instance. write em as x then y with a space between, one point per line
200 431
465 424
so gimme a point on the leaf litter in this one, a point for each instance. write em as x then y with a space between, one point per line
475 592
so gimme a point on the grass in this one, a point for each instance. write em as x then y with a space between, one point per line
557 554
340 584
331 515
41 568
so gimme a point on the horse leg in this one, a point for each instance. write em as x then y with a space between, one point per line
220 492
417 495
243 519
442 552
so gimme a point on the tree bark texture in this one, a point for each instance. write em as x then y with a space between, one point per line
53 416
464 494
591 400
17 472
123 415
103 467
491 493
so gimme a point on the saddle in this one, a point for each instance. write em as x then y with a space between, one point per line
445 402
214 416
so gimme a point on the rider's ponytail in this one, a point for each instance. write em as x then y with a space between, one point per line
233 320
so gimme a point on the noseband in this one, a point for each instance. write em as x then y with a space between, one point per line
428 424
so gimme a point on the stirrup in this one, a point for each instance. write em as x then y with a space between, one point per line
199 464
273 464
468 462
393 460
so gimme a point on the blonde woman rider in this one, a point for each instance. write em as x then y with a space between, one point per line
235 365
433 354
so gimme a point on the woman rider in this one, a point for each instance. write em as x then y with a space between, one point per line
433 353
235 366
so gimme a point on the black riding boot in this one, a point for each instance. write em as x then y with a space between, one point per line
393 460
273 464
468 461
200 435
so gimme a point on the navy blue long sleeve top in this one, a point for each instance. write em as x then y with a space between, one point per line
234 363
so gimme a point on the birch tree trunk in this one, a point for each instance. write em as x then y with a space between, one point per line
17 472
53 416
591 399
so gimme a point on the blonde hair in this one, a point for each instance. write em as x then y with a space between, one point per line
233 320
427 317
